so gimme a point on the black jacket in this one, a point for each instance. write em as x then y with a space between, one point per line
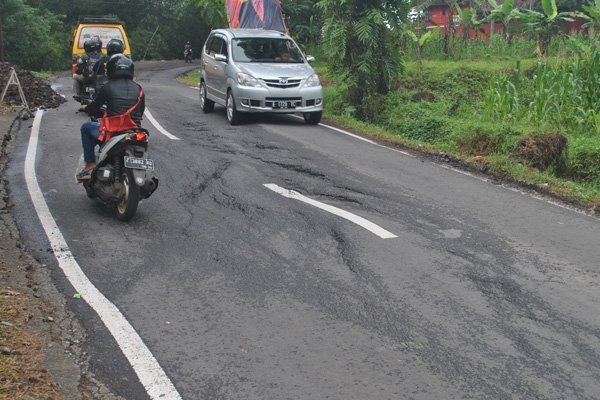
85 63
119 95
99 71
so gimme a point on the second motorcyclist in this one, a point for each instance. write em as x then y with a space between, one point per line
114 46
83 69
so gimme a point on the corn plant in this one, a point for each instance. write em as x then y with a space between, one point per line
502 100
545 101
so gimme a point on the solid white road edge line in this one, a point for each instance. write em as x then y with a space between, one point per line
376 229
151 375
158 126
333 128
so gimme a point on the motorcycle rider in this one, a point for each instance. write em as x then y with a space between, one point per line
83 70
119 94
82 74
114 46
188 48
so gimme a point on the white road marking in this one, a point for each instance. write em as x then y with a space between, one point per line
376 229
333 128
151 375
158 126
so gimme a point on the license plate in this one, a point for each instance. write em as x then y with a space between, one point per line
139 163
283 104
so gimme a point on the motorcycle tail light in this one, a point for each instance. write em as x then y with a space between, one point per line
141 136
138 154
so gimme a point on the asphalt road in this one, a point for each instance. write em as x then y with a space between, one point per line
485 292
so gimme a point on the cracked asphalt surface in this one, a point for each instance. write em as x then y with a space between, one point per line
486 293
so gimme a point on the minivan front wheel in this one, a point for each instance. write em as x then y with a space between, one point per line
205 104
313 118
233 115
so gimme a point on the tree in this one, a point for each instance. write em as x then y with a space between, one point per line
593 14
422 40
505 12
469 21
359 35
544 24
213 12
37 44
302 20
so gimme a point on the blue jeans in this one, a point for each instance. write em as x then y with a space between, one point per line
89 139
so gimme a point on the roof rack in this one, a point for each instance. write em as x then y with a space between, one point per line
97 20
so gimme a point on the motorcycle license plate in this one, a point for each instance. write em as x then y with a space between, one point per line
139 163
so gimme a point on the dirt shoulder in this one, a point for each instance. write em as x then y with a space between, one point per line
41 354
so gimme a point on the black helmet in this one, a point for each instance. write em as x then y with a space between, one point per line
89 45
119 65
97 43
115 46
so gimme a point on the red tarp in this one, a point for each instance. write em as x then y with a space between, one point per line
255 14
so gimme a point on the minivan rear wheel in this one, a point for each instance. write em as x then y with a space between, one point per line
233 115
313 118
205 104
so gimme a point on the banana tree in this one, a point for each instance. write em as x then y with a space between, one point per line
544 24
469 22
505 12
424 39
593 15
449 36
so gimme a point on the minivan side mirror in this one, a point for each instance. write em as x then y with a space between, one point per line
220 57
310 59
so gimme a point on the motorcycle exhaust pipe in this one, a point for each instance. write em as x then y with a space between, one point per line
150 185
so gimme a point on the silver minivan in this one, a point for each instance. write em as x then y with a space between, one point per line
255 70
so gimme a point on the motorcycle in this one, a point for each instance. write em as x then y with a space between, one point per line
187 55
123 176
88 92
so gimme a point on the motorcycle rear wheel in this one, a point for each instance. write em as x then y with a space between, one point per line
126 207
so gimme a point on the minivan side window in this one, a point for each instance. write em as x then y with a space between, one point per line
209 43
215 45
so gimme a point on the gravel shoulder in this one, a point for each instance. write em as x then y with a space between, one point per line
42 354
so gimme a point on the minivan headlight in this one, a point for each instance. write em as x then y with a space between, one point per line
313 81
247 80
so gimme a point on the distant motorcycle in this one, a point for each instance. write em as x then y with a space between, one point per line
123 176
187 55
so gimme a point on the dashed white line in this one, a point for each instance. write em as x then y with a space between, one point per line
151 375
370 226
158 126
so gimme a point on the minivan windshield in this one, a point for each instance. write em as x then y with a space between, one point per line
270 50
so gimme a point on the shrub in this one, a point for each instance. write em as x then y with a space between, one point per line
484 139
583 163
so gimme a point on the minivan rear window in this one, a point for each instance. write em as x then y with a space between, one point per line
106 33
266 50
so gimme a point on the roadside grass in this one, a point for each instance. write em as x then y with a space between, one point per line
439 106
21 370
42 74
191 78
